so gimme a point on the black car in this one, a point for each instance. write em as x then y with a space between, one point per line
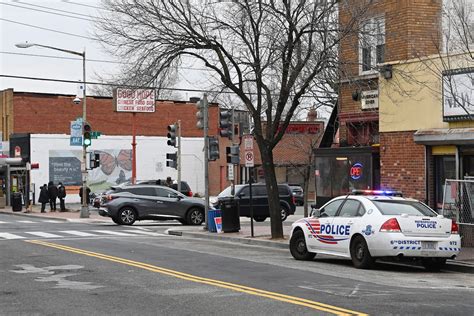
297 192
260 205
126 204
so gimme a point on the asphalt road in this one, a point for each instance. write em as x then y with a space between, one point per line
57 268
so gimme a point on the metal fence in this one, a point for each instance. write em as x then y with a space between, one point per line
458 204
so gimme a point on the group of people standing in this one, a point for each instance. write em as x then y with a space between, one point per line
51 192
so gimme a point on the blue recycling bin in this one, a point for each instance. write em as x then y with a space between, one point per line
211 225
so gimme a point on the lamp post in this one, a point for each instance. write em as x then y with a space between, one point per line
84 207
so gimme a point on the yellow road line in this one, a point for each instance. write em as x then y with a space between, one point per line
189 277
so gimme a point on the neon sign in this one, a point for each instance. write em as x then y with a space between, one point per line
356 171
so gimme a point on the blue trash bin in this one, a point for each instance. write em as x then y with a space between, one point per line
211 226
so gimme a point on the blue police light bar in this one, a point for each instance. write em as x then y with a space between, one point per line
377 192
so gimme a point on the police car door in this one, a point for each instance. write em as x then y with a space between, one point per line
318 226
344 223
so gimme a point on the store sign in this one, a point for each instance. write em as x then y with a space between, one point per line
370 99
458 94
134 100
356 171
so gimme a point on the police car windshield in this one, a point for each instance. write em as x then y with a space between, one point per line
404 207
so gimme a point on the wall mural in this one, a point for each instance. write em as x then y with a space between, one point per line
115 168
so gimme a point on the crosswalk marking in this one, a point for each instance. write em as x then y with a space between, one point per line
3 222
77 233
52 221
43 234
112 233
26 222
10 236
142 232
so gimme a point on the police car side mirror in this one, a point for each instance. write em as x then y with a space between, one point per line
316 212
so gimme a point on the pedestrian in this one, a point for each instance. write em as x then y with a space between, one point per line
88 192
53 195
61 196
43 197
169 182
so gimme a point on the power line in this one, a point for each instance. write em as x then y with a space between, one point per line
53 9
51 30
44 11
84 5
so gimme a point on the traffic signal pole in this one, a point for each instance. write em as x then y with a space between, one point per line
84 207
134 150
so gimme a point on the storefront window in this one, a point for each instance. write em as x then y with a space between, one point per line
445 168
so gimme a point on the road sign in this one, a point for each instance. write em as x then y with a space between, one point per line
76 133
248 142
249 159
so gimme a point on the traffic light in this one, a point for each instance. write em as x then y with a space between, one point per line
233 154
200 114
172 129
87 134
225 124
213 146
94 160
172 160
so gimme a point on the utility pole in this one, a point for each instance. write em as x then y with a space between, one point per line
179 156
205 106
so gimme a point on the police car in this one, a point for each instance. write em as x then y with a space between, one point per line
371 224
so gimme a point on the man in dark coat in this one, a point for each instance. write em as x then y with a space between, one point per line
88 192
43 197
53 195
61 196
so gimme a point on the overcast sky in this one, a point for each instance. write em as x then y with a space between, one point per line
66 24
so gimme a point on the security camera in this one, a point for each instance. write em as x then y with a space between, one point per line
76 100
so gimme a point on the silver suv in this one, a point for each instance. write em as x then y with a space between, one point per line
127 204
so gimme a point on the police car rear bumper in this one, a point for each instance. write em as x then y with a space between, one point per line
396 244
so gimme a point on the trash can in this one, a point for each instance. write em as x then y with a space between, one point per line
16 202
230 216
211 226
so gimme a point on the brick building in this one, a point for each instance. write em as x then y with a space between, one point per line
388 31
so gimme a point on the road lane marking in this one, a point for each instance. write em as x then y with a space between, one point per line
10 236
52 221
189 277
26 222
77 233
2 222
43 234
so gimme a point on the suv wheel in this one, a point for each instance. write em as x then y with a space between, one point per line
195 216
259 218
284 213
126 216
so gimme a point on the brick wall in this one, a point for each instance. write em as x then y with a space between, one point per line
51 114
402 164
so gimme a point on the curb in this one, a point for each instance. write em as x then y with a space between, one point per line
241 240
451 265
71 220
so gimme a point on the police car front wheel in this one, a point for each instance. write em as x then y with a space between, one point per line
360 255
298 248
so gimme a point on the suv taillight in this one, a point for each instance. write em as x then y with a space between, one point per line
293 199
454 227
391 226
110 197
190 194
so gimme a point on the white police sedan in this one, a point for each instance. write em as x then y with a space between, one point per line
367 224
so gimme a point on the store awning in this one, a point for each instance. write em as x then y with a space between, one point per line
445 136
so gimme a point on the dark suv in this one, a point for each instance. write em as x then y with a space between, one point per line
260 205
126 204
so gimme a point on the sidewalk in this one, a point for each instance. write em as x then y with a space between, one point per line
262 234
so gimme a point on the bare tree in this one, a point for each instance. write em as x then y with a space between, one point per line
270 54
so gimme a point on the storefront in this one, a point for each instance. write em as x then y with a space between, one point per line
338 171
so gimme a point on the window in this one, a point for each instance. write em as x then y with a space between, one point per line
142 191
331 209
404 207
372 44
350 209
164 193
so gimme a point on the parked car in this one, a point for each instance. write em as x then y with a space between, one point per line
261 209
368 225
185 188
127 204
297 192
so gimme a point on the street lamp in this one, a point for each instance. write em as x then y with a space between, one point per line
84 208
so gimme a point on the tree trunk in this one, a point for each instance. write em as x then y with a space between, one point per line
272 190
